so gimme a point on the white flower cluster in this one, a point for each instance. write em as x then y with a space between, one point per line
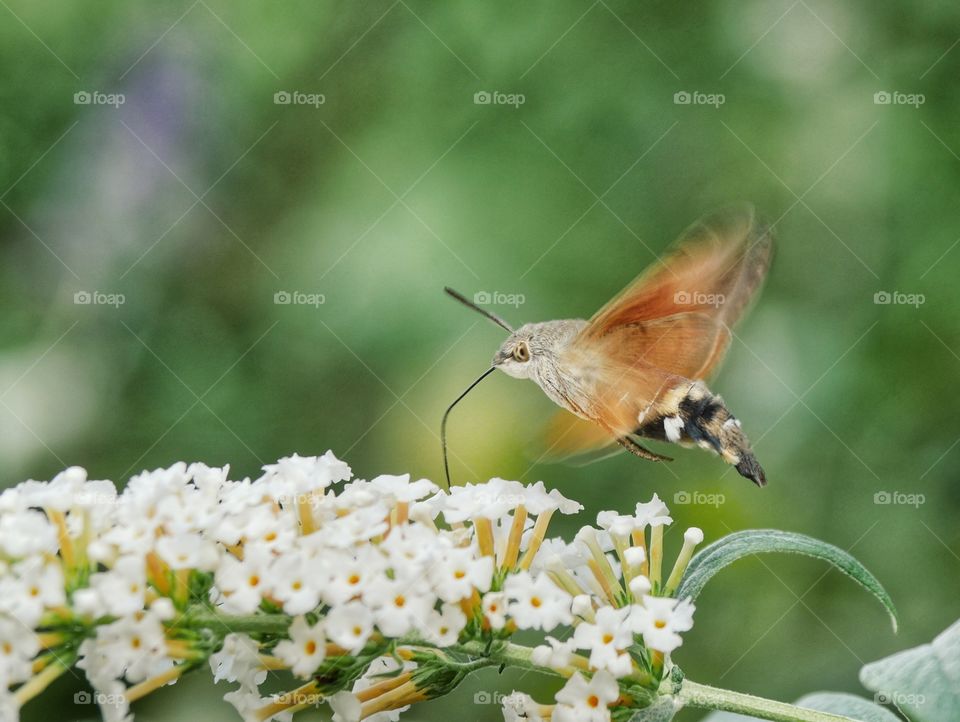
372 591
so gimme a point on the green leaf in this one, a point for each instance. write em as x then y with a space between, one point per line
923 682
662 710
848 705
710 560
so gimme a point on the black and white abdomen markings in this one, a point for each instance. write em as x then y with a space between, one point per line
691 414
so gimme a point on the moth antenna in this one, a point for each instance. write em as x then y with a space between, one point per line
470 304
443 424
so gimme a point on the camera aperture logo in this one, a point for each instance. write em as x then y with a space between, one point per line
96 97
495 97
485 697
299 298
297 97
698 298
684 97
900 699
98 298
897 298
699 498
899 498
499 298
895 97
100 698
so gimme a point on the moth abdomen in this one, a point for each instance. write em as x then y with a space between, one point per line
702 418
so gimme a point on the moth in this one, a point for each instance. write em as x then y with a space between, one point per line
637 369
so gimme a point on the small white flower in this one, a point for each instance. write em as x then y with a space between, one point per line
349 626
491 500
305 649
635 556
350 573
582 606
583 701
494 606
620 525
399 604
35 584
401 489
188 550
537 603
660 620
18 645
238 661
639 586
443 628
345 706
538 500
295 476
520 707
243 583
460 571
121 590
133 647
555 654
653 513
27 532
693 535
296 582
607 638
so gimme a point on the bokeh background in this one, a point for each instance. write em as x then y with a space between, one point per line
149 242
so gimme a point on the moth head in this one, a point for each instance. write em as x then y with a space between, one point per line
519 355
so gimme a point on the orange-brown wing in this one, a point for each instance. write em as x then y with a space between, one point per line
567 436
676 315
670 327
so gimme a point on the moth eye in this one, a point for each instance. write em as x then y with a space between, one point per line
521 353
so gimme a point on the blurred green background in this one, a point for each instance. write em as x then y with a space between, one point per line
202 196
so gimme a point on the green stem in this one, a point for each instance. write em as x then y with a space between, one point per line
693 694
203 618
690 693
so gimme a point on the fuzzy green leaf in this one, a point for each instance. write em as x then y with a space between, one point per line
923 682
729 549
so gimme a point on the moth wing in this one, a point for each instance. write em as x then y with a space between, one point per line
671 326
570 439
677 314
623 394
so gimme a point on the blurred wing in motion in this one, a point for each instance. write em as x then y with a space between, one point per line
642 352
573 440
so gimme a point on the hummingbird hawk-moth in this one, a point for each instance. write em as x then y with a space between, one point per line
637 369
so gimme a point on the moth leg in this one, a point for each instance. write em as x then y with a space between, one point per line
634 448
